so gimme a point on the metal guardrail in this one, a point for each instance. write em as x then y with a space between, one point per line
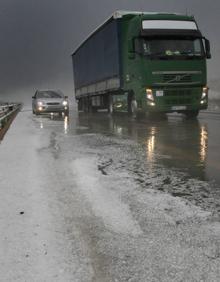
6 111
6 107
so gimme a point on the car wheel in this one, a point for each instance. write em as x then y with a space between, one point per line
66 113
132 105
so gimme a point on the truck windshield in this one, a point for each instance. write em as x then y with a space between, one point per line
172 48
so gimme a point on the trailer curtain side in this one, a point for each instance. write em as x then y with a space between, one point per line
98 58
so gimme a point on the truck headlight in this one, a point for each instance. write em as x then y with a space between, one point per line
65 103
152 104
149 94
204 93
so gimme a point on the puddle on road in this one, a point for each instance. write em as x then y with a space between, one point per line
46 122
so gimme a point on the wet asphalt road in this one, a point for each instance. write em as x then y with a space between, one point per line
190 148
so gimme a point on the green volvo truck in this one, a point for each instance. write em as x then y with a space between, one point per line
143 63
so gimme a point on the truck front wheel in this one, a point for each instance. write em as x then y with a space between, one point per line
132 106
191 114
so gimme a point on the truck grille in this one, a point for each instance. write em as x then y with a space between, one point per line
177 78
53 104
178 101
178 93
178 97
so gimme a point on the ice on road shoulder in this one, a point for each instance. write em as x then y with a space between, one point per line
105 202
33 242
144 233
117 202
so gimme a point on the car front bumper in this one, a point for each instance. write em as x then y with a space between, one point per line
52 109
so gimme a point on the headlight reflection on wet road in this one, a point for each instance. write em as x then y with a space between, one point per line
150 144
66 124
203 143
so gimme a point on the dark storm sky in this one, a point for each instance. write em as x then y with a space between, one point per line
38 36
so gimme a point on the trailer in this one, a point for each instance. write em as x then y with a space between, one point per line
139 62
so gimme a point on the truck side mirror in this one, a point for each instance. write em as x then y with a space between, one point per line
138 48
207 48
134 47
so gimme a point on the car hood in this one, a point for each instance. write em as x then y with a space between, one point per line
51 100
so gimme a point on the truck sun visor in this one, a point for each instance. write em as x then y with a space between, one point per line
165 24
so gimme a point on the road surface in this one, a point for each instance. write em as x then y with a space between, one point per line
96 198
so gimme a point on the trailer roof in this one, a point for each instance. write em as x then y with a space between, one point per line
119 14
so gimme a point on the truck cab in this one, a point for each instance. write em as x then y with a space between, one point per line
165 64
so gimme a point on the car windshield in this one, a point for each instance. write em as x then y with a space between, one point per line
166 48
48 94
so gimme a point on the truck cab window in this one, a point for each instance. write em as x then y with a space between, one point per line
172 47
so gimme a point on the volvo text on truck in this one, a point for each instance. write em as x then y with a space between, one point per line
143 62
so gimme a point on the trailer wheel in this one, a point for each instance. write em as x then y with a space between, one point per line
85 105
80 104
110 104
94 109
132 106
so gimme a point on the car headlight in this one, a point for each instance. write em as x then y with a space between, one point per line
40 103
65 103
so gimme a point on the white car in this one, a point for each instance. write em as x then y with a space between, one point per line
50 101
